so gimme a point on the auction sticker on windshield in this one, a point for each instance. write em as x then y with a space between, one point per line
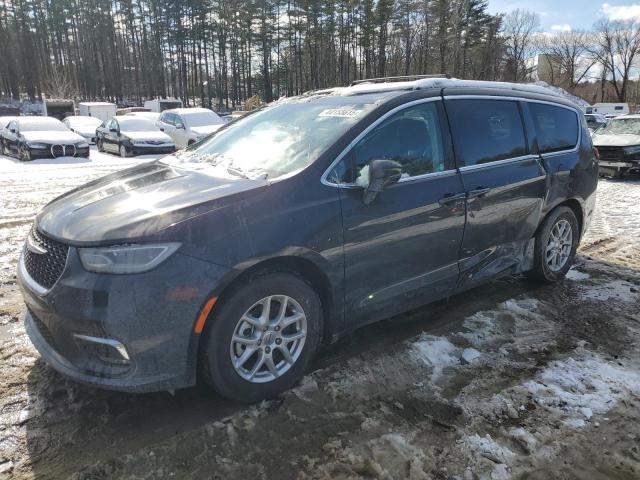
339 112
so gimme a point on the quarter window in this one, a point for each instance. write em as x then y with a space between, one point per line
557 127
411 137
486 130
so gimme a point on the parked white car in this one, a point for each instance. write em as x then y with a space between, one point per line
189 125
85 126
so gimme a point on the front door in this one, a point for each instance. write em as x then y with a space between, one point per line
401 250
505 184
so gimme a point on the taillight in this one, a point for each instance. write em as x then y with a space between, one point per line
596 153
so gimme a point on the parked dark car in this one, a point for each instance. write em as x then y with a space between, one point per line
29 138
301 221
129 135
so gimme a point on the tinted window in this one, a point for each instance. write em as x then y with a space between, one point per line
411 137
486 130
557 127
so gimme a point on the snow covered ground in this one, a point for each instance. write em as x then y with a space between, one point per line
510 380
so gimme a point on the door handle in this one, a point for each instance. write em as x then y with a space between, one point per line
479 192
450 198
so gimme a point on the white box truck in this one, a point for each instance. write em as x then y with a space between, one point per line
102 110
162 104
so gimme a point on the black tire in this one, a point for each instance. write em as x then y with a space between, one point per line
122 150
541 271
99 145
24 154
216 362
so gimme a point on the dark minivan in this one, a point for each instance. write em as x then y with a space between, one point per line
235 259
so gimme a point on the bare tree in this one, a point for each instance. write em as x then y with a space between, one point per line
519 28
569 52
616 47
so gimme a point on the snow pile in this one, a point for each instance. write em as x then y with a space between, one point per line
583 387
616 289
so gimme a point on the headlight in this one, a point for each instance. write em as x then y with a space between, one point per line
126 258
37 145
82 145
632 150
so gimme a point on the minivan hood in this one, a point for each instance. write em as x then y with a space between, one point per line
618 140
138 202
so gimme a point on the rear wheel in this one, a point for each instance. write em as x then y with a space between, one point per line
555 246
262 338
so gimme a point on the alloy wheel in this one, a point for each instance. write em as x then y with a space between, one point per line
268 339
559 245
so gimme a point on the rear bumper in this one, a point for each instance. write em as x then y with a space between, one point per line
130 333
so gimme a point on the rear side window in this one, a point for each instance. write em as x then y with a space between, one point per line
486 130
557 127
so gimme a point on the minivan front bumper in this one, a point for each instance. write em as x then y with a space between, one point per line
122 332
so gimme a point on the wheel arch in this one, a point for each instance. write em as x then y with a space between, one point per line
300 266
571 203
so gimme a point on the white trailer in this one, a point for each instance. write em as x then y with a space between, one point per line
162 104
609 108
102 110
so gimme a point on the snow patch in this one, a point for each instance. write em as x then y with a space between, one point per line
437 352
577 275
616 289
487 447
584 387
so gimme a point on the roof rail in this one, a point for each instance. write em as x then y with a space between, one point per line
403 78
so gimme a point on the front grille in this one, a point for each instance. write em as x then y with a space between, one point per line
45 268
610 154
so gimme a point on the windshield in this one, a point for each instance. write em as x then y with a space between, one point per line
622 126
135 124
42 124
282 137
201 119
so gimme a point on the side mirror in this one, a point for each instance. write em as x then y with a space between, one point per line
180 126
382 174
114 130
13 130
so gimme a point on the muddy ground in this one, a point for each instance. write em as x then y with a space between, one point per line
511 380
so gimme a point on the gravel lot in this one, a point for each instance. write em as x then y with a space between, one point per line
511 380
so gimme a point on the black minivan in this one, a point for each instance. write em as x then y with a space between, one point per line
235 259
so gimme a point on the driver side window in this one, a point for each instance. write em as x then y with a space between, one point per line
411 137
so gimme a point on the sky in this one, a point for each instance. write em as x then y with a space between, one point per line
564 15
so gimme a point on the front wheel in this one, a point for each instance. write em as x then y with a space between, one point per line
555 246
123 151
24 154
262 337
100 145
